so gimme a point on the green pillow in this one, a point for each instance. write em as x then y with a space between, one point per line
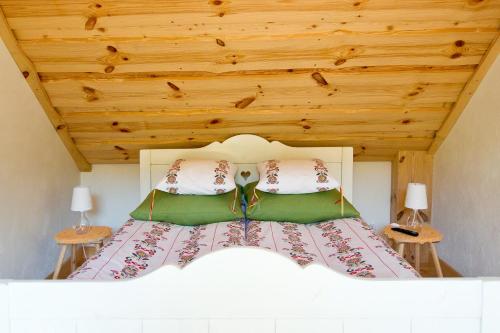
190 210
298 208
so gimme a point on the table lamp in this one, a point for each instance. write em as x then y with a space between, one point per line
82 202
416 199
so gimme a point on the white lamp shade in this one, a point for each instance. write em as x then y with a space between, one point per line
416 196
82 201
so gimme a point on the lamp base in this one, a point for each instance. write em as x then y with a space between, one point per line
415 221
80 230
84 226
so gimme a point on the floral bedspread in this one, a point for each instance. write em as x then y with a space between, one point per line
345 245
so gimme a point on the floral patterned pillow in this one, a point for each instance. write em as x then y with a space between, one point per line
202 177
295 177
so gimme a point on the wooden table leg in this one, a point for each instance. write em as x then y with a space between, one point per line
390 242
59 262
435 258
417 257
73 258
401 249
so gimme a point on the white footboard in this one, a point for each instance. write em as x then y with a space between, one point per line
259 291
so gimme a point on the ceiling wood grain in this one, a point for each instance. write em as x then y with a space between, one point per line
378 75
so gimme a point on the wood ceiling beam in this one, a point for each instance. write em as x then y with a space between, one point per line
366 147
326 113
29 72
466 94
428 9
404 89
284 52
131 124
402 122
379 140
238 25
449 71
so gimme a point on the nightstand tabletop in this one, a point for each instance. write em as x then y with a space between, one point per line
427 234
94 235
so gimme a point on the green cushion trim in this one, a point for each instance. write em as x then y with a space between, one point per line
298 208
190 210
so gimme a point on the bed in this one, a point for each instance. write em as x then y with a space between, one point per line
345 245
279 279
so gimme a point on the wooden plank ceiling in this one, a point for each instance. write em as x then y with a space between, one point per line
379 75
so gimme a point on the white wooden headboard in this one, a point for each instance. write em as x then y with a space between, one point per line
246 151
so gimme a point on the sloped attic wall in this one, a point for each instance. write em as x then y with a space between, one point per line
36 179
466 189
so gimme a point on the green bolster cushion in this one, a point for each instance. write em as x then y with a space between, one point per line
190 210
298 208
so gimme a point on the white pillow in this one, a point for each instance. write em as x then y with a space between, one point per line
202 177
294 177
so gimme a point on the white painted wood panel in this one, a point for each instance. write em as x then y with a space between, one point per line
4 307
309 326
264 285
246 151
109 325
378 325
175 326
265 292
446 325
242 325
491 306
43 326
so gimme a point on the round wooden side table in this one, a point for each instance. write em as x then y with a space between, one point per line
68 237
427 235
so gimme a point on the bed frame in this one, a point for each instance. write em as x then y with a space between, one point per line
262 292
246 151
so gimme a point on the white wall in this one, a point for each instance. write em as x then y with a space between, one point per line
466 192
115 189
372 192
115 192
36 177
